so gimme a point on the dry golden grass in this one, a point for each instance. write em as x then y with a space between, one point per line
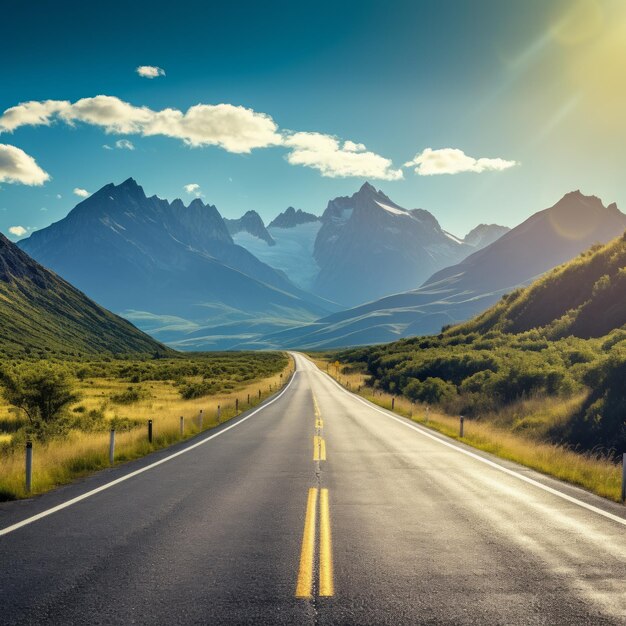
62 460
599 476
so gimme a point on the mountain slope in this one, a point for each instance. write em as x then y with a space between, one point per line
369 246
545 240
174 270
41 313
585 297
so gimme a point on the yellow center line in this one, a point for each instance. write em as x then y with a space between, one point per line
304 586
327 587
319 423
319 448
316 407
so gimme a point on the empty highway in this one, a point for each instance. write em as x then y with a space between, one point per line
316 508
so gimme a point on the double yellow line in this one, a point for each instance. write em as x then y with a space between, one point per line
304 587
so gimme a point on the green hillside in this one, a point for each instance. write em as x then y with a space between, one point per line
42 315
585 297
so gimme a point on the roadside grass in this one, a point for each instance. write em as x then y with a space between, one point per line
81 452
514 435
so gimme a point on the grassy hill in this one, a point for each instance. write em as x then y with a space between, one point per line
43 315
585 297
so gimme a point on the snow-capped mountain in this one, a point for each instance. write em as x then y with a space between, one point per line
369 247
172 269
456 293
293 234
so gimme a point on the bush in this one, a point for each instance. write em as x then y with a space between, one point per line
430 391
42 391
130 395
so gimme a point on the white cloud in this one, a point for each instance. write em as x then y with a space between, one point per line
430 162
350 146
234 128
31 114
18 167
59 196
106 146
150 71
82 193
193 189
124 144
334 160
18 231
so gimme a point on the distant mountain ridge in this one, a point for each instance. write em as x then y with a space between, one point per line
250 222
290 218
172 269
457 293
485 234
41 313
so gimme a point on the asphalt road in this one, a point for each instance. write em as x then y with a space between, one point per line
392 525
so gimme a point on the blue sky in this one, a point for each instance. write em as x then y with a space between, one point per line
536 83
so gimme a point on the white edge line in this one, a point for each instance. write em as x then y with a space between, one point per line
93 492
506 470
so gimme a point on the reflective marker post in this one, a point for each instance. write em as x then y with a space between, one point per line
112 447
149 431
624 477
29 466
182 426
462 421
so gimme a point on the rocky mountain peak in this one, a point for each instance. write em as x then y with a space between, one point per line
290 218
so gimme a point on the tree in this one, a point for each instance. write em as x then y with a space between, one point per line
42 391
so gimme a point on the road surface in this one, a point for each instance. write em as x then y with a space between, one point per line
316 509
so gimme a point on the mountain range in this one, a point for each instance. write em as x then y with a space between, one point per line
197 281
363 247
41 314
454 294
172 269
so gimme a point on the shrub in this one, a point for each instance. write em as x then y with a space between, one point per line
431 390
42 391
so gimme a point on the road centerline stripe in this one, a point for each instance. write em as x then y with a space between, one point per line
304 587
319 448
327 587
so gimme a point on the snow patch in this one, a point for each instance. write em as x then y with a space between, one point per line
451 236
391 209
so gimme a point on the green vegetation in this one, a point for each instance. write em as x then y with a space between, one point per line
68 408
498 377
42 392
